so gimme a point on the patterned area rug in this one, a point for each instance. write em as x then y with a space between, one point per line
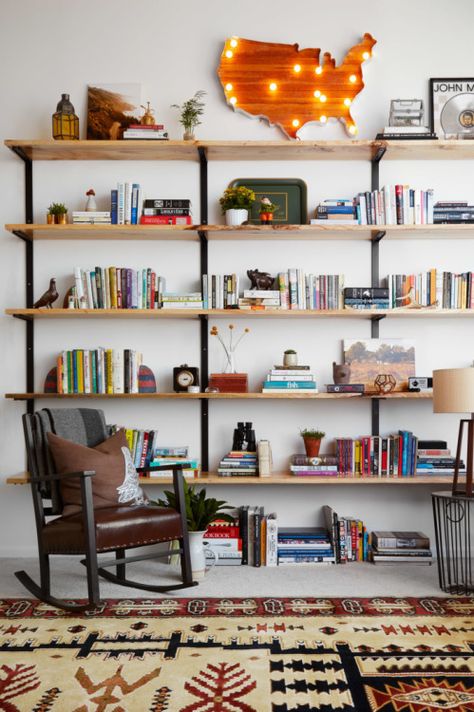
239 655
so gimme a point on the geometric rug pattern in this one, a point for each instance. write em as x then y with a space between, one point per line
239 655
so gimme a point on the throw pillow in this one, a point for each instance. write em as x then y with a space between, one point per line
115 481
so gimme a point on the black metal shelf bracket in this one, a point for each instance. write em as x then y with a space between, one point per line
377 236
204 325
21 234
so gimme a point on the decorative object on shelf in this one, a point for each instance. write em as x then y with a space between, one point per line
236 202
211 389
71 300
201 511
91 205
185 376
267 208
419 383
147 119
231 347
228 382
194 389
341 373
50 296
384 383
452 108
264 457
289 87
111 108
57 214
260 280
453 392
65 121
289 194
406 121
312 440
146 380
370 357
290 358
191 110
51 381
244 439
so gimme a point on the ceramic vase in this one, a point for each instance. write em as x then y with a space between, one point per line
236 216
290 360
198 559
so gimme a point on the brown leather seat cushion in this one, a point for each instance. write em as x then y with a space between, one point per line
115 528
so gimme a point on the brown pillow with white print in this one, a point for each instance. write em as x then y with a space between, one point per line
115 481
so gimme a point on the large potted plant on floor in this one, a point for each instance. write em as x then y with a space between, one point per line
200 512
236 203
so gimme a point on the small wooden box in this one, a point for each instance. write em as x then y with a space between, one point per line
229 382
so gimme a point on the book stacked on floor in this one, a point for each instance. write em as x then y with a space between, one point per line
91 217
166 211
366 298
310 291
220 291
304 545
290 380
401 548
152 132
125 203
348 536
452 213
446 290
259 533
321 466
395 205
338 211
260 299
434 458
376 456
185 300
118 288
238 463
223 542
99 371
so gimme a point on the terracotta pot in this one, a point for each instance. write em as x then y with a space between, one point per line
312 446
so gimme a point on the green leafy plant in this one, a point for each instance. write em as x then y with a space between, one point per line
191 110
200 510
237 198
57 209
312 433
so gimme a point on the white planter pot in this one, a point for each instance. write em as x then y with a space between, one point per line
290 360
236 216
198 557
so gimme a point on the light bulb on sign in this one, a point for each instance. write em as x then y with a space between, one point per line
353 79
319 70
233 100
347 102
323 98
297 68
273 86
353 130
295 123
317 93
365 55
233 43
323 119
228 87
229 54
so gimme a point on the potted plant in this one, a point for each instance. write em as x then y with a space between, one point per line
312 440
290 358
200 512
236 203
57 214
191 110
267 208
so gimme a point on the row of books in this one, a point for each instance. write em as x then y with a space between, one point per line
377 456
310 291
142 444
453 212
118 288
395 205
288 380
446 290
125 203
251 539
348 535
98 371
220 291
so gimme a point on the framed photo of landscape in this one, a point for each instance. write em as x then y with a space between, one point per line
290 194
369 358
452 108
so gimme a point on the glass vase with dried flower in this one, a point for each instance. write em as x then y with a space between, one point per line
230 347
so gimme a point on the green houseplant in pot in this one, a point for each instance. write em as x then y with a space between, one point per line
191 110
236 202
312 440
200 512
57 214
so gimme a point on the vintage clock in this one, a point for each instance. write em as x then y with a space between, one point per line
184 376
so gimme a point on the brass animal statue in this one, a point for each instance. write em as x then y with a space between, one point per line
260 280
50 296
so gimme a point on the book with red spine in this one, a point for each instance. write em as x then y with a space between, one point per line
166 220
147 127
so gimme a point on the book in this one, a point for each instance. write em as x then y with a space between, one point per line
345 388
400 540
165 220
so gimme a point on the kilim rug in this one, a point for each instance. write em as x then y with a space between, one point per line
239 655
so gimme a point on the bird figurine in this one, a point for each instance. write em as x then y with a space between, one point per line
49 296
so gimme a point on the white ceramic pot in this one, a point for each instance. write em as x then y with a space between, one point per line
198 557
236 216
290 360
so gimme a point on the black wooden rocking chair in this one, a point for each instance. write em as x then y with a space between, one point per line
92 531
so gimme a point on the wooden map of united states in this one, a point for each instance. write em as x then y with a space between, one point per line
290 87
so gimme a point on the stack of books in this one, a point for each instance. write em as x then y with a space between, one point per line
366 298
220 291
434 458
259 533
238 463
446 290
453 212
91 217
395 205
310 291
187 300
288 380
376 456
336 211
393 133
401 547
125 203
190 471
321 466
223 542
99 371
304 545
260 299
166 211
348 535
118 288
151 132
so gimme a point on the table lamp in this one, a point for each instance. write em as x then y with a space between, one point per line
453 392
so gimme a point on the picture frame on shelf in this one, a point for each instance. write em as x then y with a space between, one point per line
289 194
452 107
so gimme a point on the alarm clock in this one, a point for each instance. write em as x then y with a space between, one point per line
184 376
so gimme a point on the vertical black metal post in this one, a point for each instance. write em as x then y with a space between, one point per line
375 278
204 327
29 267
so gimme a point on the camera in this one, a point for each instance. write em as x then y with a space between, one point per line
419 383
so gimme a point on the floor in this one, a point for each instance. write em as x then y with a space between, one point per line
350 580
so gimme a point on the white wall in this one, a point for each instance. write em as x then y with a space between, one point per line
173 49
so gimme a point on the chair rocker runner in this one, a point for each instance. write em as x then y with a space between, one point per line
92 531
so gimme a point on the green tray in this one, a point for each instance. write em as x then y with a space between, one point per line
290 194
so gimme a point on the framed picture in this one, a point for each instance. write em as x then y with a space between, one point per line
370 357
452 108
111 108
290 194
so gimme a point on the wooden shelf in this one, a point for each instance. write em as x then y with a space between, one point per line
345 150
426 395
427 150
104 232
146 150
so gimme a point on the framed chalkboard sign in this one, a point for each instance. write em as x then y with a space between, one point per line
290 194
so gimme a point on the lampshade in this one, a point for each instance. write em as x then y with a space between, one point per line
453 390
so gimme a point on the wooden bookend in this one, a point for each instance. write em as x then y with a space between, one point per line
229 382
51 381
290 87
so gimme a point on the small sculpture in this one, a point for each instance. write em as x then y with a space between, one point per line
260 280
147 119
91 205
385 383
48 297
341 372
267 208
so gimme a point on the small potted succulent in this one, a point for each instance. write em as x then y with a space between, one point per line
267 208
290 358
191 110
236 203
312 440
57 214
